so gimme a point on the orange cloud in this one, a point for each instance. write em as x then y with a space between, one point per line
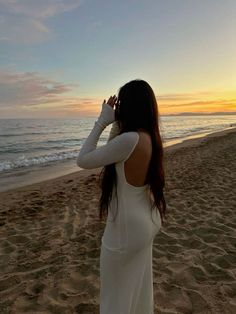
29 94
204 102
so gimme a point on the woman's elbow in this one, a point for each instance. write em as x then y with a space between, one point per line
82 163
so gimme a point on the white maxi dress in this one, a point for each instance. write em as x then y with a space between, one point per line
126 274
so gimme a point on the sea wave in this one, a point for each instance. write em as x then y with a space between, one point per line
30 146
23 161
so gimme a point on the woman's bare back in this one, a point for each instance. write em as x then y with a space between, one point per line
136 166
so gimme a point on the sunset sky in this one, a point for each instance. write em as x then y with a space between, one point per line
61 58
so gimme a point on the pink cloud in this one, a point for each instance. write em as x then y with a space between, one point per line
29 94
29 88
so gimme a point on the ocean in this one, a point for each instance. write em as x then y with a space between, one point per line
32 149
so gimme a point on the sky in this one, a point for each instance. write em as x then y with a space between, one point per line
62 58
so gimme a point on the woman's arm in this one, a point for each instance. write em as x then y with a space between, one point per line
118 148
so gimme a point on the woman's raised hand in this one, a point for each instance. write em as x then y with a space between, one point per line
111 101
107 114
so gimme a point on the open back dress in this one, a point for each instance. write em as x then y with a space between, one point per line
126 274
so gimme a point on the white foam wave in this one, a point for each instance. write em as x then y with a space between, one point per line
23 161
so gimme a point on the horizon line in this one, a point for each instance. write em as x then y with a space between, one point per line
165 115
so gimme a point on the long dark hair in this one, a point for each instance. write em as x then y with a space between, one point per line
136 108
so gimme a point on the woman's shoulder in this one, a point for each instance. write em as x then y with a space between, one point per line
129 137
141 136
144 136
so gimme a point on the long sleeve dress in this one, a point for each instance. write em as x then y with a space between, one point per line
126 275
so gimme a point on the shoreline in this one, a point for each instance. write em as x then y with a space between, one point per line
51 237
68 168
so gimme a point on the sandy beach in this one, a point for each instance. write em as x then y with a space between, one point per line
50 237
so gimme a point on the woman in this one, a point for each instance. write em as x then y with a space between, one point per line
132 183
